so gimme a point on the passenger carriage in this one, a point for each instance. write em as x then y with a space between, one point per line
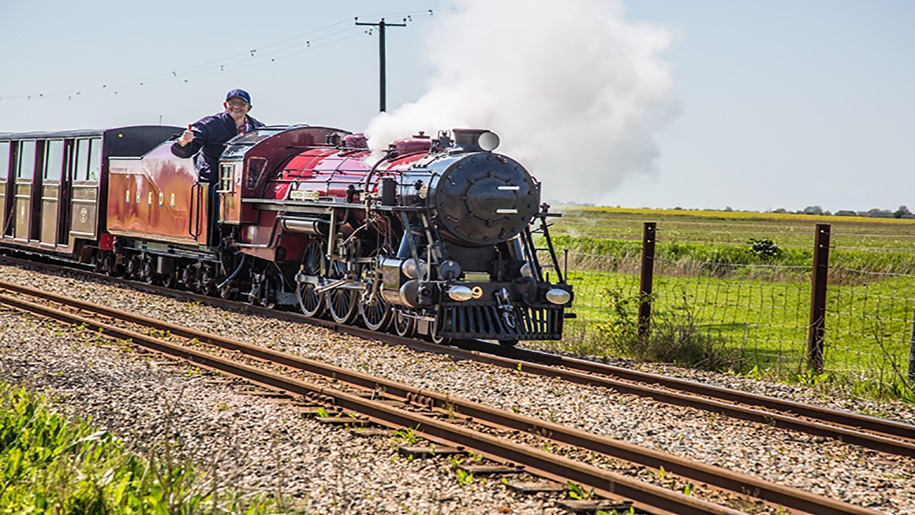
53 186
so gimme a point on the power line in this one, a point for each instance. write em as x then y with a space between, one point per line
262 55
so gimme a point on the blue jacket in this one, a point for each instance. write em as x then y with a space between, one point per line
210 136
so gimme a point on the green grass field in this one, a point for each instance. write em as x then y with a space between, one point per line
708 274
871 244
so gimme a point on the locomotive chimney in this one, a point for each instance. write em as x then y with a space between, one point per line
474 140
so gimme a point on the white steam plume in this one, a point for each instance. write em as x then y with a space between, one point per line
575 92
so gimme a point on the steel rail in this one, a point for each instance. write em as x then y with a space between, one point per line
647 497
875 433
699 472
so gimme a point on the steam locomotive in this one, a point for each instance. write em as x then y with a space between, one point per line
437 236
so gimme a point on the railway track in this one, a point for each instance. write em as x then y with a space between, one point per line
879 434
442 419
874 433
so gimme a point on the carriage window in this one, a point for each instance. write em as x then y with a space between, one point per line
26 169
95 159
53 159
4 160
82 159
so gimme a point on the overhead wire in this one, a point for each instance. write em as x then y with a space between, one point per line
261 55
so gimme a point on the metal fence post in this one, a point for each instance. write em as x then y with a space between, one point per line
645 282
815 340
912 350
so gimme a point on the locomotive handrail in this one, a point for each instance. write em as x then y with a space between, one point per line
549 242
196 217
389 155
312 147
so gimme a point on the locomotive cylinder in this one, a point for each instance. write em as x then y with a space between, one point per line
310 226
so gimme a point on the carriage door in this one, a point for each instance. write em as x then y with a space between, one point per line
25 179
6 202
84 187
51 190
66 193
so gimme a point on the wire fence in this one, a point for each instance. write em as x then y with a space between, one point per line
760 310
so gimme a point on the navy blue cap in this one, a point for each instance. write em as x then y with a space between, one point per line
240 93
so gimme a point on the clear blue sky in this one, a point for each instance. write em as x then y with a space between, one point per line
758 105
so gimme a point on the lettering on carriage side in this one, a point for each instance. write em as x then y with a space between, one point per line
171 200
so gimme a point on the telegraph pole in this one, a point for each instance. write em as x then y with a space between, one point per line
381 25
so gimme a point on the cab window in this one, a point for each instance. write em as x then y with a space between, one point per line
53 159
227 178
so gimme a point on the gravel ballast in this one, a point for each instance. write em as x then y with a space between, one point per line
335 472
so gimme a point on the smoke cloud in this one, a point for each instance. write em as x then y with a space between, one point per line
575 92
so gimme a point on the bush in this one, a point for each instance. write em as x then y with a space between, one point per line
674 337
765 248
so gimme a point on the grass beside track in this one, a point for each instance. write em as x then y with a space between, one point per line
51 465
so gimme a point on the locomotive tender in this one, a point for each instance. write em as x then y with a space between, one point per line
435 236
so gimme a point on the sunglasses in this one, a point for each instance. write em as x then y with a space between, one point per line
238 104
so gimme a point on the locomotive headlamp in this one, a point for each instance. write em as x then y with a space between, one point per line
412 269
460 293
488 141
558 296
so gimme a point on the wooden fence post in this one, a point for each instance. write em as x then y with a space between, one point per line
815 340
647 275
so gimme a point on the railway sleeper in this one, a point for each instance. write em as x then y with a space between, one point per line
317 412
595 505
489 470
536 487
343 420
423 452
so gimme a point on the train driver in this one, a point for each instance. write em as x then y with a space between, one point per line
207 137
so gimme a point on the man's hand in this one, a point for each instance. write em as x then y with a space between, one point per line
186 137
